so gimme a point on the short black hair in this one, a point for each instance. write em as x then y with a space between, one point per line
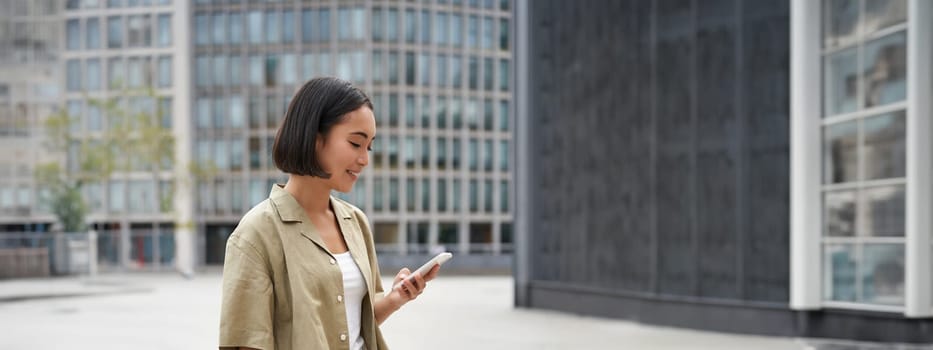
318 105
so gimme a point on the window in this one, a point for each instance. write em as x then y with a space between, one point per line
202 77
441 110
487 115
393 152
219 28
410 110
272 70
455 151
378 67
456 71
472 110
424 69
236 71
487 155
503 155
474 196
487 196
456 189
219 68
93 33
393 22
411 26
441 153
410 194
114 32
323 29
425 27
441 27
288 26
425 152
503 34
393 68
473 73
504 115
474 155
378 24
202 32
410 68
254 26
504 196
73 73
442 71
473 32
504 75
115 72
393 110
378 194
236 28
441 195
94 73
73 28
139 31
487 32
456 30
164 30
864 151
393 194
411 152
273 29
289 68
425 195
488 74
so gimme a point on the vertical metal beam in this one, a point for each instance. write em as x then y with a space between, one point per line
185 232
523 207
918 299
805 203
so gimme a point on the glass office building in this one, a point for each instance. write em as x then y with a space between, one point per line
223 71
31 33
439 76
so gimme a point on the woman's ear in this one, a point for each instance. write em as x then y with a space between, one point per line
319 141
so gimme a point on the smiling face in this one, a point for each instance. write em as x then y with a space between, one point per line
344 151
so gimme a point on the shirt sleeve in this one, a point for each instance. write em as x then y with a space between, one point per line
247 309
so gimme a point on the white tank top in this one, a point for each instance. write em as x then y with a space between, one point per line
354 288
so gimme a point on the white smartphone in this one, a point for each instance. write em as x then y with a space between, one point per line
438 259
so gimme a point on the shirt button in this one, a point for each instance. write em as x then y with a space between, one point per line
340 298
343 337
332 261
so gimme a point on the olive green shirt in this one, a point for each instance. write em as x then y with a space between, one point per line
282 288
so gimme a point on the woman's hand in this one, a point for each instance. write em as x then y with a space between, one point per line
406 287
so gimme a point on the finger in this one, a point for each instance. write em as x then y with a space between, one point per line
432 273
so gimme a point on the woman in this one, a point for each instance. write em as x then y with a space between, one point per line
300 270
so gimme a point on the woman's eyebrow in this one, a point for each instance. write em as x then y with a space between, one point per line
363 134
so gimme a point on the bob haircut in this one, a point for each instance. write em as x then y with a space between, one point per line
318 105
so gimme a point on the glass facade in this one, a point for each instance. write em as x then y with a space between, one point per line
433 71
863 151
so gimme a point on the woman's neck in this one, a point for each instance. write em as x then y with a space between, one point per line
311 193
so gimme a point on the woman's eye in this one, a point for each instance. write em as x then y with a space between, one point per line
355 145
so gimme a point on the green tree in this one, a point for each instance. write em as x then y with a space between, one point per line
134 139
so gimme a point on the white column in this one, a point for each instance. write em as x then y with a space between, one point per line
520 198
805 207
185 231
918 299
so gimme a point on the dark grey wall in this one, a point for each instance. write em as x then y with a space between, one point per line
654 174
660 147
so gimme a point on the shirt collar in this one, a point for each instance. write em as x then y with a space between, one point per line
290 211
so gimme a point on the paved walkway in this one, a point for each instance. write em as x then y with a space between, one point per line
166 311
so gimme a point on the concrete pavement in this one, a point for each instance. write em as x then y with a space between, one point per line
166 311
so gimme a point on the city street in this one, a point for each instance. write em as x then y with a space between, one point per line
165 311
